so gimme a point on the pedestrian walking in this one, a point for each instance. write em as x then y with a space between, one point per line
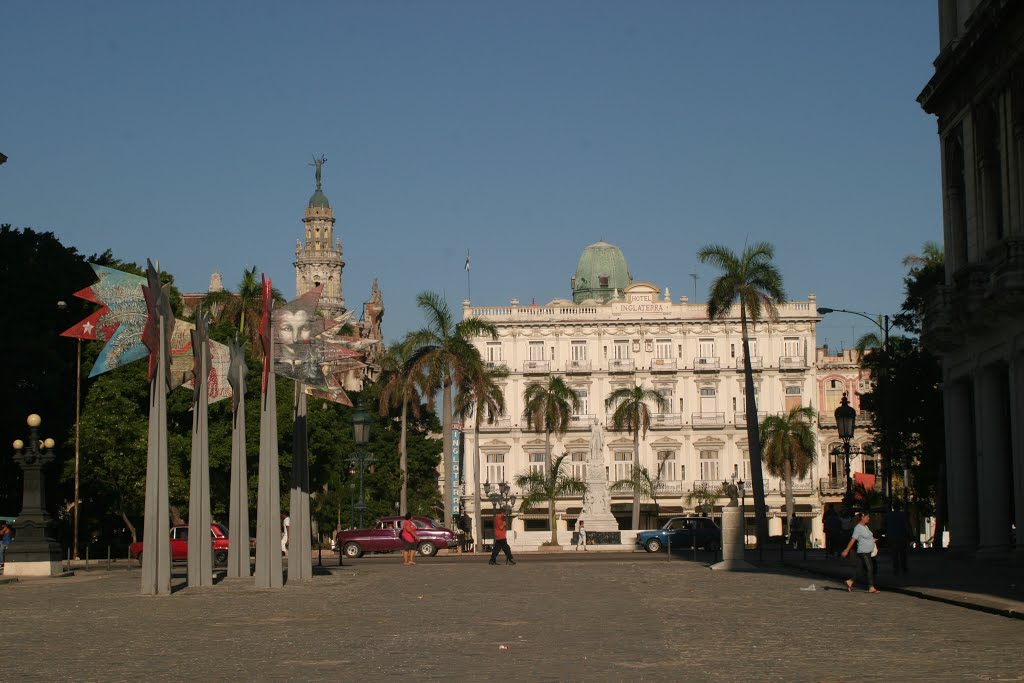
581 537
409 540
897 536
286 524
865 542
6 536
500 540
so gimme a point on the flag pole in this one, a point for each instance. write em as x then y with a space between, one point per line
469 289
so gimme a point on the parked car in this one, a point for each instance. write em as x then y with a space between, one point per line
682 532
179 544
383 537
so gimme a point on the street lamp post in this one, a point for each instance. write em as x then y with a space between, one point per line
34 552
743 506
78 414
501 497
883 325
360 458
846 418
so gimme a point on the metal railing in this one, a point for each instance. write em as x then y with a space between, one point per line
740 417
536 367
666 420
581 421
578 366
755 363
705 363
620 365
708 419
832 486
663 365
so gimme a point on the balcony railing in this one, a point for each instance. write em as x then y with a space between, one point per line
827 420
792 363
580 421
499 424
831 486
666 420
663 365
536 367
741 417
577 366
620 365
706 363
494 364
708 419
755 363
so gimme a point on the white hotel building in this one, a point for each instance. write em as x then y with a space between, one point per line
617 332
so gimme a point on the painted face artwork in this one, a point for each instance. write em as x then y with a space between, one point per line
294 327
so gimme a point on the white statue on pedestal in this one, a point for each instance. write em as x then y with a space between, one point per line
597 510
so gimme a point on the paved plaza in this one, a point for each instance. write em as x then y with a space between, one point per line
564 617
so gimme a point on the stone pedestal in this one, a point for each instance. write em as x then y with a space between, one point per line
733 549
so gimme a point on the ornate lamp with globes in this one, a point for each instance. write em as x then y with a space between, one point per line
33 552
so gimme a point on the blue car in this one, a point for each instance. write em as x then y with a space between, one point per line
682 532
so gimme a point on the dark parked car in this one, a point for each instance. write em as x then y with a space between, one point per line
683 532
383 537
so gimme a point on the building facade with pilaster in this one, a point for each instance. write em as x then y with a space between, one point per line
975 322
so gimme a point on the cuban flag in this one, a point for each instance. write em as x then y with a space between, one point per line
467 261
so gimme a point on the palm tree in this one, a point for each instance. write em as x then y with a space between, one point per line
755 283
549 408
789 447
400 387
632 413
703 496
549 485
482 396
445 354
641 483
244 308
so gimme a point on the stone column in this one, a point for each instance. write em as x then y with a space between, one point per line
991 409
961 476
1017 437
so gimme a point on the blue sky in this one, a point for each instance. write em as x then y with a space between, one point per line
520 131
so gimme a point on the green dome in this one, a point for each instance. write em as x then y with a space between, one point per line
319 199
601 270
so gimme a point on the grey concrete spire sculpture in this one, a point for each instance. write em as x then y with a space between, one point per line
238 505
269 568
200 554
300 560
156 558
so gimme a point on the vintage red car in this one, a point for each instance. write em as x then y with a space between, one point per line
179 544
383 537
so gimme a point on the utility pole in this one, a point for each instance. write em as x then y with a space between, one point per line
695 277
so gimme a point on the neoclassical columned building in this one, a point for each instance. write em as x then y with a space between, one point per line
616 332
975 322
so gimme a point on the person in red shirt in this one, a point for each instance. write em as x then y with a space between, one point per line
409 541
500 540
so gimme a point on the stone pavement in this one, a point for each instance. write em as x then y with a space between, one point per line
995 584
552 617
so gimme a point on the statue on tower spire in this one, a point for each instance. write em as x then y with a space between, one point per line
319 163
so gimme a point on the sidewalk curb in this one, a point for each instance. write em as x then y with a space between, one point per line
998 611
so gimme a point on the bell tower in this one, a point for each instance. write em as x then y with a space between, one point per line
317 260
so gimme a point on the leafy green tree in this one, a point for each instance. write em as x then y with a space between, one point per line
400 387
703 496
548 408
642 484
243 309
549 486
446 356
482 397
752 280
789 447
632 413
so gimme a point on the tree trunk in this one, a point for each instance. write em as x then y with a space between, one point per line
446 425
478 523
787 477
753 438
635 521
551 500
131 527
403 465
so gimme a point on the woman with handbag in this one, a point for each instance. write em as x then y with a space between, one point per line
866 549
407 534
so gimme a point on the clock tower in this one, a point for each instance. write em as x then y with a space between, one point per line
318 260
